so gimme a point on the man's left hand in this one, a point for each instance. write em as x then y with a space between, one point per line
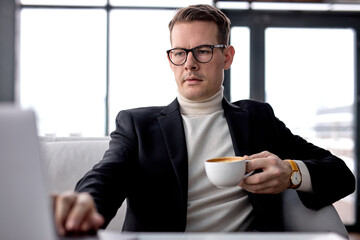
275 177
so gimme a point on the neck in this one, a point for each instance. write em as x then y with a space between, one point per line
200 108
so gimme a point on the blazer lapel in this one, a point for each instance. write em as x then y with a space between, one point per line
172 129
173 132
239 126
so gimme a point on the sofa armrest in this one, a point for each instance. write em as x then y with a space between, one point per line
298 218
67 159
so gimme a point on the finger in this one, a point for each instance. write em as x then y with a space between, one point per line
93 222
270 162
63 204
97 220
79 213
269 187
269 181
262 154
258 163
58 223
257 178
85 226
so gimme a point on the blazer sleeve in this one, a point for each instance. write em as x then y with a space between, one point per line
106 181
330 177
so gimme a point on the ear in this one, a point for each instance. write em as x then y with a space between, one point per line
229 53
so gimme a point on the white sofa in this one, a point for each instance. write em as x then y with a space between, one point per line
68 159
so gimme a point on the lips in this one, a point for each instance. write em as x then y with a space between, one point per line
192 79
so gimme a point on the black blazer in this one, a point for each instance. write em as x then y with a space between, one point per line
147 164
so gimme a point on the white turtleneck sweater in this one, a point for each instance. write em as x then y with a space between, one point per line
211 209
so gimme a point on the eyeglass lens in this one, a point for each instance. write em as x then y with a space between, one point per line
202 54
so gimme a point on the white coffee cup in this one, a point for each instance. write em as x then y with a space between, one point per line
226 171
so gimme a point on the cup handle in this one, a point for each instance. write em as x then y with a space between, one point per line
249 173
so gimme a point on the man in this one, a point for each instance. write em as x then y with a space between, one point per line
156 155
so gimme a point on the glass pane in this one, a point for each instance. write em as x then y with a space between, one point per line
293 6
240 69
63 69
140 74
66 2
310 84
159 3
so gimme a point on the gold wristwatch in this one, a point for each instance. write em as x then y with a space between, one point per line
295 178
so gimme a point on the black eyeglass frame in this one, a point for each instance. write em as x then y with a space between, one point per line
192 50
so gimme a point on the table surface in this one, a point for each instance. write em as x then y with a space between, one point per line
109 235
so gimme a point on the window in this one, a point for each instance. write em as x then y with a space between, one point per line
66 2
305 64
240 69
312 70
140 74
81 64
63 69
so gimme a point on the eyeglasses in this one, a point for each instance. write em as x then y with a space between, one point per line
202 54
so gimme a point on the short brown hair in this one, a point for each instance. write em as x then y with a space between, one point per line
204 13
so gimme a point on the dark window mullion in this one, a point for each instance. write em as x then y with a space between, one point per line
108 9
257 62
356 227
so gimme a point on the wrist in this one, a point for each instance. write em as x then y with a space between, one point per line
295 176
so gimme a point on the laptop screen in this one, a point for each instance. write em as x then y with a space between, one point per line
25 208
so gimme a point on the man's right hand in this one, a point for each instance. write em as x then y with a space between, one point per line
76 214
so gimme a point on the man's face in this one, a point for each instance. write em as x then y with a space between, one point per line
199 81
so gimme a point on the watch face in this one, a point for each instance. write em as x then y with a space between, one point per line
296 178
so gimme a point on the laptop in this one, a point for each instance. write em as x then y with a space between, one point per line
25 208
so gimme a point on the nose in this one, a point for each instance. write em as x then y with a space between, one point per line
191 63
